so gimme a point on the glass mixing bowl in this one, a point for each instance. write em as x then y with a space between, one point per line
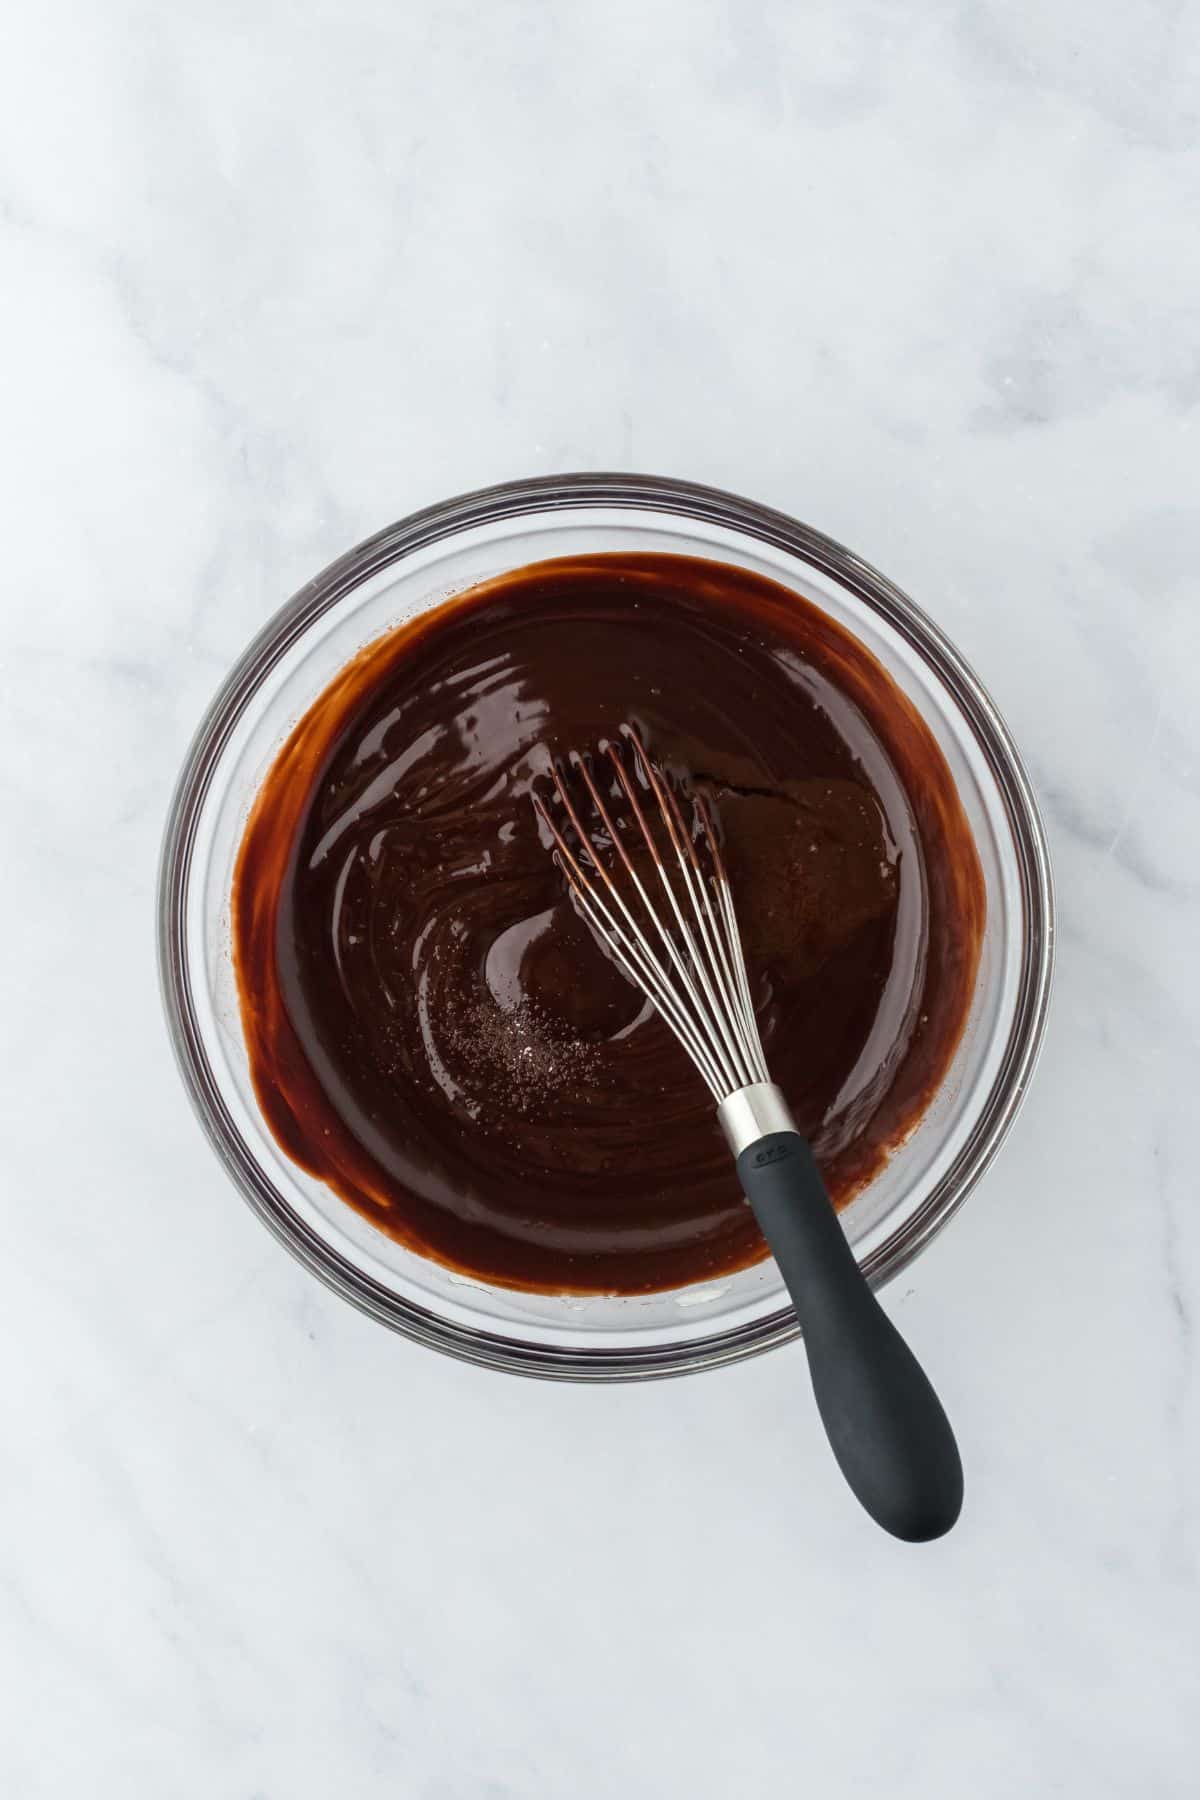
401 572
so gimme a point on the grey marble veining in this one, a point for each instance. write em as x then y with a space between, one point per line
273 276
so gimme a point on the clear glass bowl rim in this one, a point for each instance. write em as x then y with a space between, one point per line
638 493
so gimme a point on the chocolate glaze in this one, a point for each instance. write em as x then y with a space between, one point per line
434 1032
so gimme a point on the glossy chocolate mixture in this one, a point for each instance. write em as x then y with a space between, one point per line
433 1030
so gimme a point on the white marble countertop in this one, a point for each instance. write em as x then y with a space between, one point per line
273 276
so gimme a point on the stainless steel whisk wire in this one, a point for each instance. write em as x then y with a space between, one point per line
700 988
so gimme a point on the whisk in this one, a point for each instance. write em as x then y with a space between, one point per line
643 862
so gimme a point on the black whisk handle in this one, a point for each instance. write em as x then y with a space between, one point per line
884 1422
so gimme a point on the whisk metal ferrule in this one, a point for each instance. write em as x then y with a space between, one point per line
753 1112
